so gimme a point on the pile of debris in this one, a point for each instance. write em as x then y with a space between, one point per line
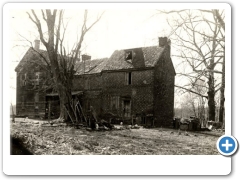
213 125
191 124
103 125
122 127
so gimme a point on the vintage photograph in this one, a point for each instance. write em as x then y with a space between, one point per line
116 81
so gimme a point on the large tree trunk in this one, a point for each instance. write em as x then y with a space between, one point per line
222 97
64 97
211 100
64 88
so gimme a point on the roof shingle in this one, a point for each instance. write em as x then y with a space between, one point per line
143 57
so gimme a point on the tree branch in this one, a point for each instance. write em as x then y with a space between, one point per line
189 90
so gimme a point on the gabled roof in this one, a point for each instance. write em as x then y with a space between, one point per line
151 55
32 56
145 57
89 66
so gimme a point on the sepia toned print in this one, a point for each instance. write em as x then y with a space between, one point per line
156 93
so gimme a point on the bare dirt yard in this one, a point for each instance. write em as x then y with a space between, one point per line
35 138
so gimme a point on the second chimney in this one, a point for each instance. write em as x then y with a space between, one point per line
37 44
86 57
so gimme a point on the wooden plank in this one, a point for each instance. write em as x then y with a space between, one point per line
82 112
69 115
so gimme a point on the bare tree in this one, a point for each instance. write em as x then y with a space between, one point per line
61 61
198 36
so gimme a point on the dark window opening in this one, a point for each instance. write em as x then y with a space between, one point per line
128 55
128 78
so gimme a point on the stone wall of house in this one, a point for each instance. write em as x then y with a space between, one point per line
149 92
30 98
91 85
107 92
164 76
117 89
87 82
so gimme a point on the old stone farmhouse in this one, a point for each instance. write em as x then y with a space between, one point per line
135 83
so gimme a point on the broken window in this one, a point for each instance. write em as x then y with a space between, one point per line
128 55
128 78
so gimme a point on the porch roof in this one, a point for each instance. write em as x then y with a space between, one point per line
73 93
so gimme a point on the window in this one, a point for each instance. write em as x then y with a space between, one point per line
128 78
37 78
128 56
114 102
23 79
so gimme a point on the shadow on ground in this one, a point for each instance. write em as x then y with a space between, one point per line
17 147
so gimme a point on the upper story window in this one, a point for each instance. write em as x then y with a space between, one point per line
128 78
129 56
23 79
37 78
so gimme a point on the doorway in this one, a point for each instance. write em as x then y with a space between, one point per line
127 108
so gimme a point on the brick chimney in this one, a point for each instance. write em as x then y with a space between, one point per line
86 57
162 41
37 44
165 42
